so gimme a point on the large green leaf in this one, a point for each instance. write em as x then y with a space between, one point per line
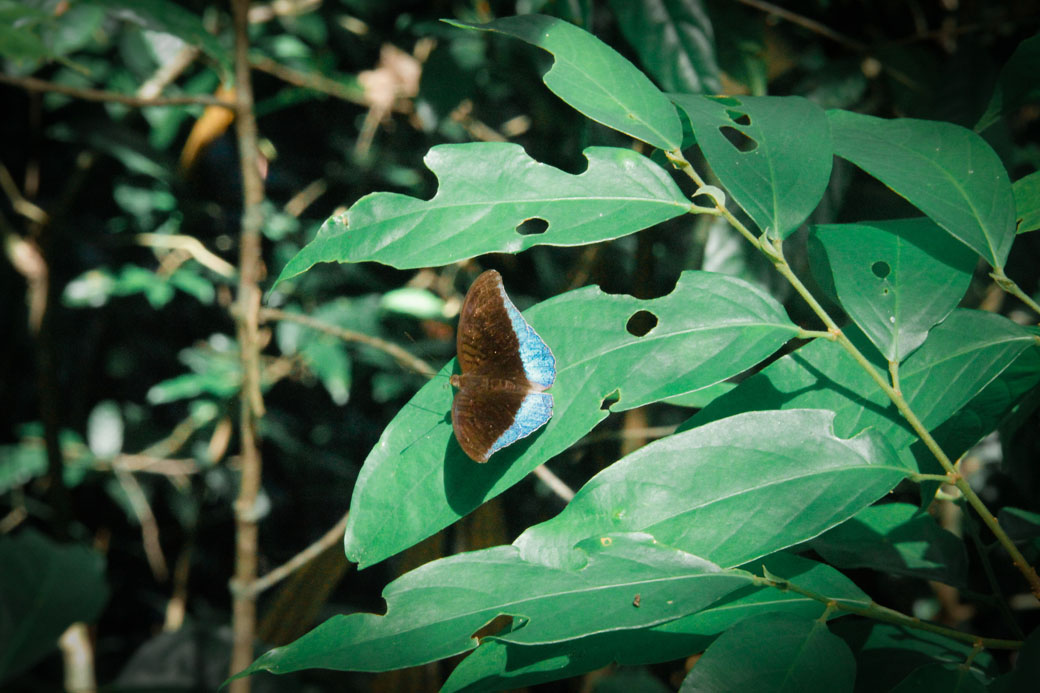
730 491
948 172
896 538
961 356
497 665
675 42
895 279
780 166
709 328
487 190
774 652
44 588
627 581
595 79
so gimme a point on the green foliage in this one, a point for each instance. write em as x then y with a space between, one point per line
38 599
782 466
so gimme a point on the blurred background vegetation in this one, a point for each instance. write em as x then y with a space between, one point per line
119 367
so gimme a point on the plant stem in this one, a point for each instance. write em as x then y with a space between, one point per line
773 249
1008 284
34 84
246 316
883 613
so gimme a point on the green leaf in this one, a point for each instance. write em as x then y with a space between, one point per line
896 538
327 357
887 653
433 611
948 172
774 652
730 491
169 17
595 79
780 166
675 42
1027 202
895 279
942 678
497 665
44 588
216 370
1018 84
961 356
709 328
487 190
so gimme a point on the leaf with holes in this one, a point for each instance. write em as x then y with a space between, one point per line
960 358
498 665
790 653
487 190
595 79
948 172
895 279
709 328
731 491
434 611
778 162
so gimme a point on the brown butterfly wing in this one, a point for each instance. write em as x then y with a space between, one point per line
487 344
481 416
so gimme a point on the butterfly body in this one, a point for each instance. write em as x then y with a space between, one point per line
506 368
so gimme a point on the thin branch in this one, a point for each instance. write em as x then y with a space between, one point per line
882 613
330 538
246 312
406 359
19 203
146 518
806 23
203 255
34 84
555 483
310 80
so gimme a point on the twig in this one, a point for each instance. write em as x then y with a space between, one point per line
310 80
882 613
191 245
27 209
810 24
77 654
146 518
330 538
555 483
406 359
243 607
34 84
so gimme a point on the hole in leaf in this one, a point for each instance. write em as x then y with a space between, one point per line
610 400
641 322
738 139
738 117
499 624
530 227
880 269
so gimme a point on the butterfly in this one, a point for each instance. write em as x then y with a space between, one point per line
505 369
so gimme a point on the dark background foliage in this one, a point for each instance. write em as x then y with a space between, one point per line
125 355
